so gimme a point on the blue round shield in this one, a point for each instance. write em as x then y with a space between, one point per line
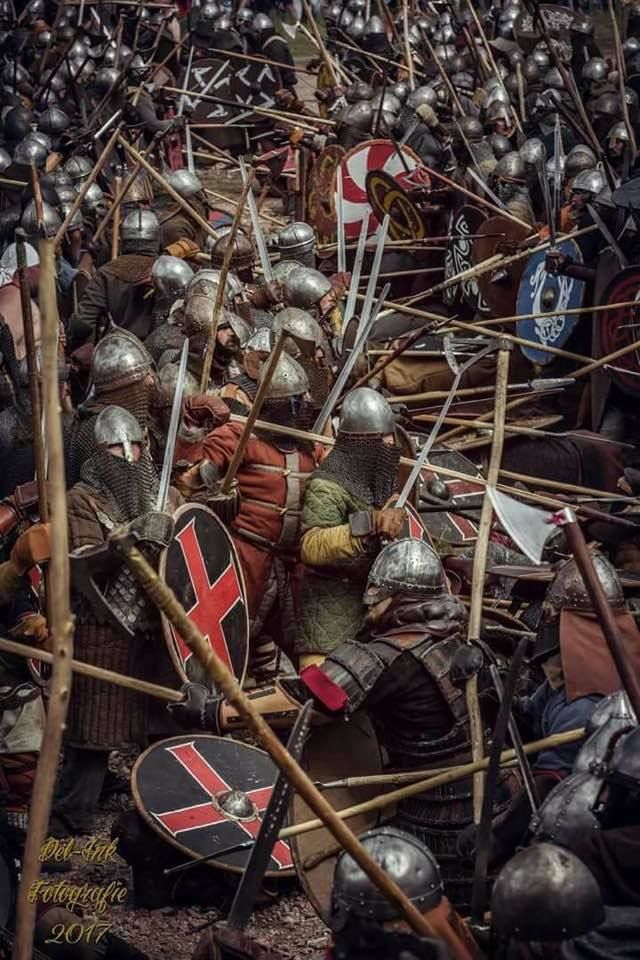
547 296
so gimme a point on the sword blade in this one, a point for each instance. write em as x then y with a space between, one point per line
265 263
172 433
342 253
355 275
343 376
375 270
431 439
606 233
516 740
247 890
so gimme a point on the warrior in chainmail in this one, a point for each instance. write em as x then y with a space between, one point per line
118 487
122 374
271 479
407 669
358 477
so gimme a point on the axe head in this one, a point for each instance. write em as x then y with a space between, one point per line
527 526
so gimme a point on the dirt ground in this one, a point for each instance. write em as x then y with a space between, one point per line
288 924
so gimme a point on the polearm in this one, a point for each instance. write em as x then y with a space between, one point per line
266 376
225 682
61 623
222 283
95 673
160 180
575 538
497 211
91 179
115 233
270 63
622 81
322 50
480 567
126 187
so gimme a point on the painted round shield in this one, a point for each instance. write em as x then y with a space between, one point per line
450 529
543 293
332 752
356 165
204 794
557 21
499 287
202 568
465 222
387 196
620 327
321 210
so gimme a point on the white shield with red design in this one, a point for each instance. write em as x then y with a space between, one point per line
206 796
356 164
202 568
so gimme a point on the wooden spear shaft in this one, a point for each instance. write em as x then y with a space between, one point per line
160 180
497 211
96 673
60 623
285 117
445 471
115 233
423 786
234 203
254 413
126 187
222 283
91 179
322 50
229 688
480 567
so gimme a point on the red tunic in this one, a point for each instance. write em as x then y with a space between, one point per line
272 483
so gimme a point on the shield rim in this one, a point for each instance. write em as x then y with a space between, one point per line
493 295
151 822
574 252
368 144
166 625
393 184
296 854
333 150
616 377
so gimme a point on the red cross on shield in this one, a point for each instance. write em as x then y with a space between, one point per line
201 567
207 814
181 789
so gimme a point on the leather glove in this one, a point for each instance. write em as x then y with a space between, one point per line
555 262
466 843
199 710
153 527
388 523
31 548
205 410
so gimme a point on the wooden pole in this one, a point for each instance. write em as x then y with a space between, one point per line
423 786
234 203
480 567
115 233
254 413
60 625
229 688
292 118
96 673
222 282
497 211
160 180
599 602
322 50
91 179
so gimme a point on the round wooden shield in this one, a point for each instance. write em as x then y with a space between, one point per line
212 77
557 21
343 748
387 196
321 210
181 788
500 287
450 529
202 568
620 326
465 223
544 293
382 155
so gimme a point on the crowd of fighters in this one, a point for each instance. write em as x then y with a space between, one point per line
452 240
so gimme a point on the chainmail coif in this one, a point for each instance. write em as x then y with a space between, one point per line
365 466
131 487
